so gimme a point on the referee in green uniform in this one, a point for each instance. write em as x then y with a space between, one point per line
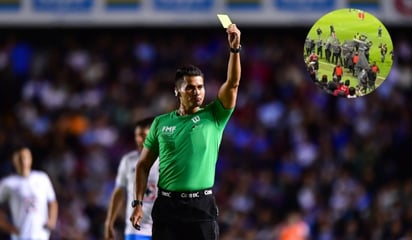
187 142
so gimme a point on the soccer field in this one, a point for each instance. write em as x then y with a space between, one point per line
346 25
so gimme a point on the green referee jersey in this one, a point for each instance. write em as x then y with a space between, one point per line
188 146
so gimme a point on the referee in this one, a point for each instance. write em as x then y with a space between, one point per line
187 142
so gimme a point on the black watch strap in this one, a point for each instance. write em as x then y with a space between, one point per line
137 202
236 50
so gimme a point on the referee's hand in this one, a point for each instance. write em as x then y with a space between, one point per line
136 217
233 36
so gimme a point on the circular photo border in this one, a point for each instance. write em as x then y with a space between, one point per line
348 53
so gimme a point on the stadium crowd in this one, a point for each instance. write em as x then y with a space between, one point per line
294 160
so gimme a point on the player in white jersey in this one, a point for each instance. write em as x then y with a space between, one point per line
31 199
124 188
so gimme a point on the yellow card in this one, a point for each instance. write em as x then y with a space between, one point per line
225 20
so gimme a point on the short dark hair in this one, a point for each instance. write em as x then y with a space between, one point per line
18 147
352 91
347 82
332 85
144 123
188 70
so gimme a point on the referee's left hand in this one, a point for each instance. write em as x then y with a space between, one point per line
136 217
233 36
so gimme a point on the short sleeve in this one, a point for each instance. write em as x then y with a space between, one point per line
3 191
152 142
121 178
221 114
50 194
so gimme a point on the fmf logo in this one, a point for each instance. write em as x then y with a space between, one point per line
168 130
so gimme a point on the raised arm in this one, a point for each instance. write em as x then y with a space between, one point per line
144 164
228 91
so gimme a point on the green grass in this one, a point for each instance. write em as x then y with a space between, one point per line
346 25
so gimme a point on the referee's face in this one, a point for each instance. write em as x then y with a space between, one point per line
192 92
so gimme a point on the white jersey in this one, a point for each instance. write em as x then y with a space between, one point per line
28 199
126 179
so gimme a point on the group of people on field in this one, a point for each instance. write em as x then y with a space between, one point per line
351 54
337 88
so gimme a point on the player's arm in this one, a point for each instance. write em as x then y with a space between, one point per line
53 209
5 225
228 91
147 158
143 167
117 199
115 204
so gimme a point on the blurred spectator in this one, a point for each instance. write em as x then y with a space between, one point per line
294 228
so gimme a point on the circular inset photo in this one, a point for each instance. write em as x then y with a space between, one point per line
348 53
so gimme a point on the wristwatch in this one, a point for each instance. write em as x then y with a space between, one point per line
236 50
137 202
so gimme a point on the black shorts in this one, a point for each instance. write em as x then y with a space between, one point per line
181 218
